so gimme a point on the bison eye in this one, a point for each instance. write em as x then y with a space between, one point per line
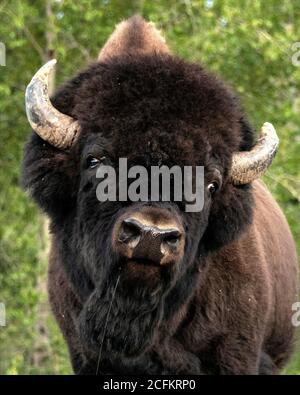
213 187
92 162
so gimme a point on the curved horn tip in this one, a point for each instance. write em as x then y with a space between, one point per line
249 165
51 62
58 129
42 74
46 69
268 129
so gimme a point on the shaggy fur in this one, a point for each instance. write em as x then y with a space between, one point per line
226 309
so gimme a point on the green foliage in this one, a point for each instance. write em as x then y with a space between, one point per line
248 43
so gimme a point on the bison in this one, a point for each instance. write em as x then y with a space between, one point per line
145 287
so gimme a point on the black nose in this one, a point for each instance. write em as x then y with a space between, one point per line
143 240
130 231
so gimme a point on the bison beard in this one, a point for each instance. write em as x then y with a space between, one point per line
131 321
120 325
222 304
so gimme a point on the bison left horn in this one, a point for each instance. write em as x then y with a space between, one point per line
249 165
58 129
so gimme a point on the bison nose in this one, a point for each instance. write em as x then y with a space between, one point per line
147 242
130 232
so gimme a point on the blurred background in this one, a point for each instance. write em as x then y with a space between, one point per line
251 44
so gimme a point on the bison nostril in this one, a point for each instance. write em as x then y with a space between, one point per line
172 239
130 230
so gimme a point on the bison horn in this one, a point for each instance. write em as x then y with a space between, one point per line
247 166
58 129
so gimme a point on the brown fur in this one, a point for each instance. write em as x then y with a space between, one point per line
237 301
226 307
134 35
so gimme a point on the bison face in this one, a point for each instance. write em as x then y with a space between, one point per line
142 255
133 264
148 240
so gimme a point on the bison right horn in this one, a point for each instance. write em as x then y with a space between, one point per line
58 129
249 165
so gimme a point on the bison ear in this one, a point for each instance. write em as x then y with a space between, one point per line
134 35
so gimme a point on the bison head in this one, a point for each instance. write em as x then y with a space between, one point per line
133 264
